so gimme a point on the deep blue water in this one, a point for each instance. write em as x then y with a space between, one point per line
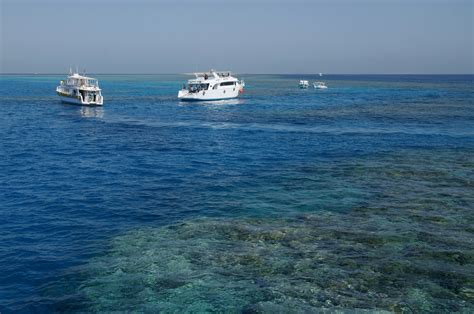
78 184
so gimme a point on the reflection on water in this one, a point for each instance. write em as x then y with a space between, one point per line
92 112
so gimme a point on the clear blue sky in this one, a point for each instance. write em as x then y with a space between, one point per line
333 36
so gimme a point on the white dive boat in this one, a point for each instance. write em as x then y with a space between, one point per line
320 85
82 90
212 85
304 84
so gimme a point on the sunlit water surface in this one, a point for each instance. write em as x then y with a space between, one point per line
285 200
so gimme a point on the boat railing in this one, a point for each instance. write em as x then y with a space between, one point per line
88 84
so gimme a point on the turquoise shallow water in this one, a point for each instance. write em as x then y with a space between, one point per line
358 197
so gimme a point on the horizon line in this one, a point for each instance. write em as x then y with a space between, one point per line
317 74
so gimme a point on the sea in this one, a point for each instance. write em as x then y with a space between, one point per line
358 198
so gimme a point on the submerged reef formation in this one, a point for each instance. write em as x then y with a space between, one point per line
309 263
408 247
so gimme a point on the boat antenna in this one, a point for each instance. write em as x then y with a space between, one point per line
77 71
70 71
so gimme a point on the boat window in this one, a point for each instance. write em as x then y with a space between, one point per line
227 83
198 87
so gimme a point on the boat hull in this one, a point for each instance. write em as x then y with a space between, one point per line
78 101
207 99
210 95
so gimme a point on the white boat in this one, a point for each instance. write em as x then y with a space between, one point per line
81 90
320 85
212 85
304 84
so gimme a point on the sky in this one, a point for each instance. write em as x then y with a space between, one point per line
259 36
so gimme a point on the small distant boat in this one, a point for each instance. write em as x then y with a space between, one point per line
320 85
304 84
81 90
212 85
320 74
